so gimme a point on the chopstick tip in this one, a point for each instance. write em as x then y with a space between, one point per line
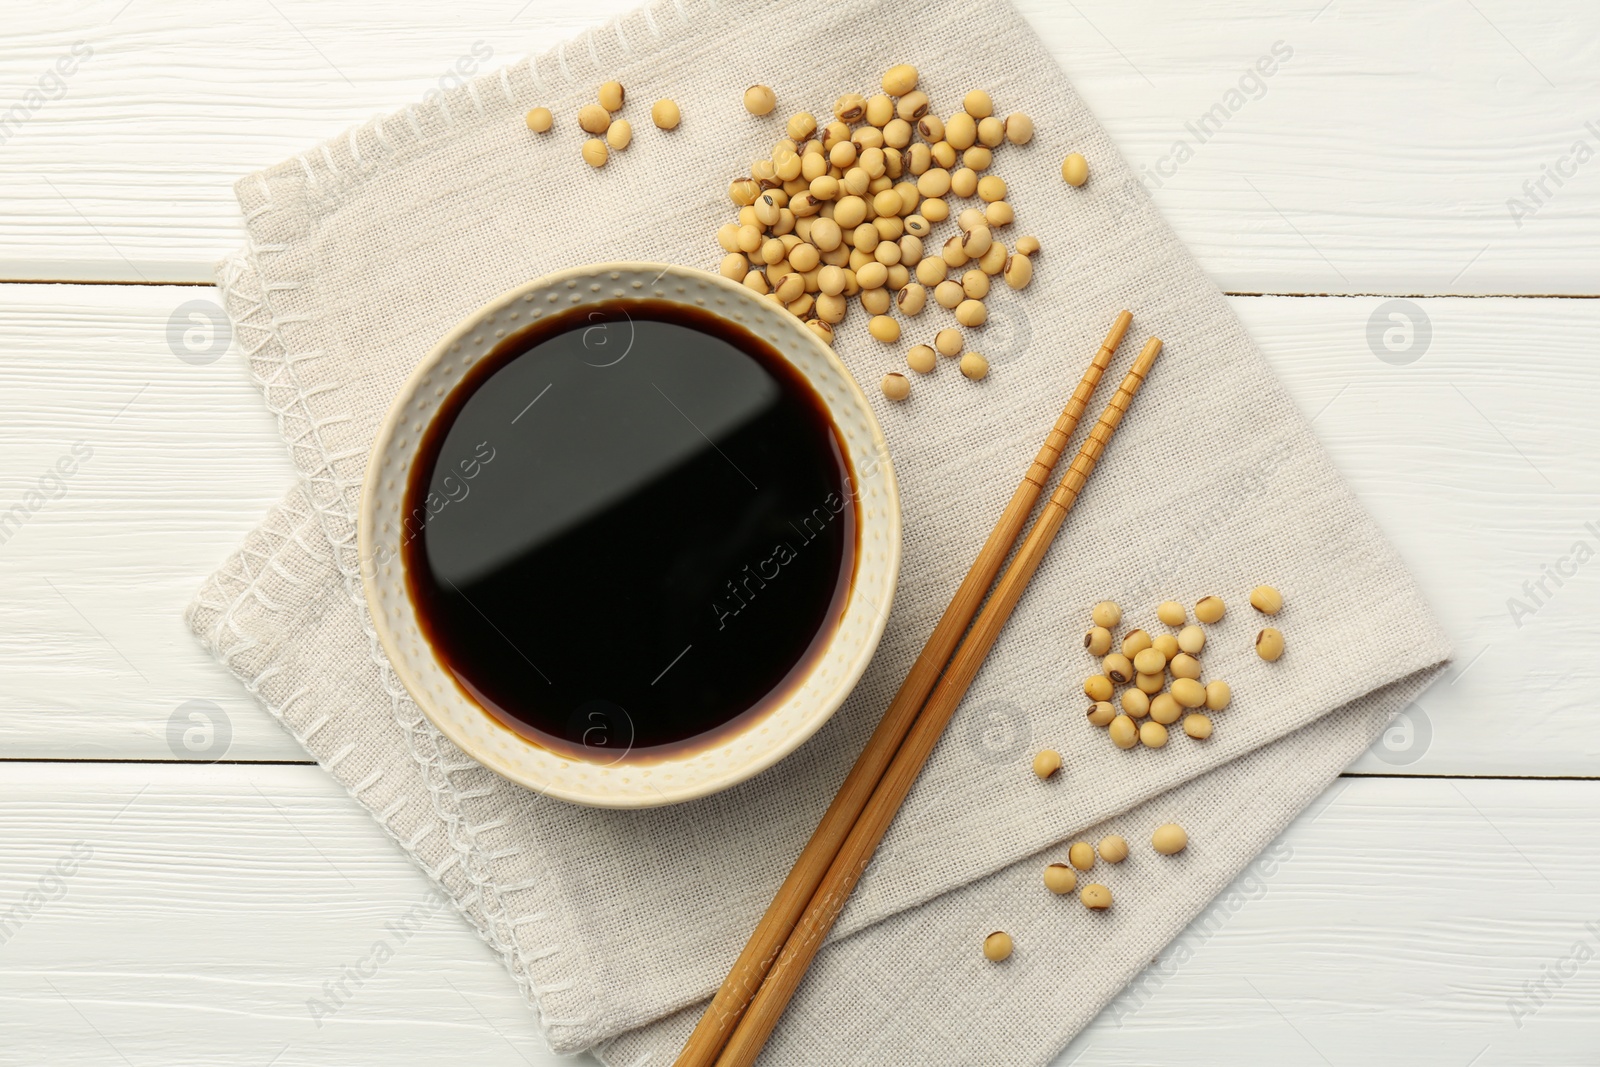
1147 358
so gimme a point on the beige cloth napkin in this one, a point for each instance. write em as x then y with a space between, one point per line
364 250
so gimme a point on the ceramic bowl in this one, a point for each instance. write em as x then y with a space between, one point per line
697 771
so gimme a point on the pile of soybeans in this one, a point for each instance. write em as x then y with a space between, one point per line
847 211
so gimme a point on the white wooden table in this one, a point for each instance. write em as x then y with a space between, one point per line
1440 906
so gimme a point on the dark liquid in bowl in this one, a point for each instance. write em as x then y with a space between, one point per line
630 529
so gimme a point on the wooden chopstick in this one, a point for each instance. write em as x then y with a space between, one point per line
784 977
726 1008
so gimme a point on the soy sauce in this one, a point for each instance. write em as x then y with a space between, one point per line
632 530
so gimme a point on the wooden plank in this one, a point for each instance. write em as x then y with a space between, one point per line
173 463
210 904
1481 460
1380 156
1417 922
252 915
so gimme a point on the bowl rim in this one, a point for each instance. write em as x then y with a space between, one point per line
739 770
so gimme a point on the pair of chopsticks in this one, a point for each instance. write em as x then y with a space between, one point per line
752 999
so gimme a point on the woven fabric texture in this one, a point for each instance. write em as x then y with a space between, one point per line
365 250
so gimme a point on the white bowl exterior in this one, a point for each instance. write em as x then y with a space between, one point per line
705 769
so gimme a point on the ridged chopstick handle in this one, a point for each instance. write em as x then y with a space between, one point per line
1056 441
1094 445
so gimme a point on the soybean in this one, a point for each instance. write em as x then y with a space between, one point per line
895 386
594 152
1184 665
1266 600
1075 170
1019 271
1210 609
1060 878
831 309
948 342
1107 614
977 104
997 946
1197 726
1188 692
960 131
1117 667
1269 644
1096 896
610 96
1081 855
900 79
1136 642
539 120
884 329
1153 735
593 118
1171 612
931 270
760 100
1192 639
1149 661
1123 733
1165 709
1218 696
1101 713
620 134
971 313
826 234
1018 128
975 367
912 106
1097 687
1135 703
1150 684
665 114
1169 839
1113 848
1097 641
911 301
1046 763
1165 644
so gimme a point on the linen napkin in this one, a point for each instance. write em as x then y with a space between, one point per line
366 249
